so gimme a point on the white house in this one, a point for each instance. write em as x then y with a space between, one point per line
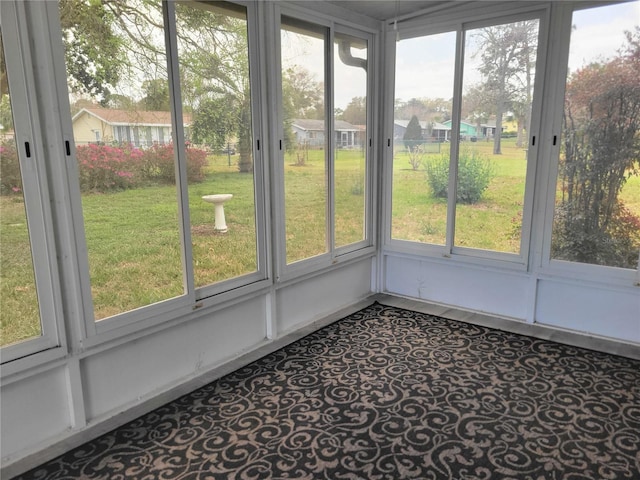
312 132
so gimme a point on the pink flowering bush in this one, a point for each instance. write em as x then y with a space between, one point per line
159 164
104 168
10 179
196 161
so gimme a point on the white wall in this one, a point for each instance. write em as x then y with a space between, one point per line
52 406
593 308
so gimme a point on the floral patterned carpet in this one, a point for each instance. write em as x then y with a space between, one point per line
391 394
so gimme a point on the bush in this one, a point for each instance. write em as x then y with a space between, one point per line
104 168
575 238
474 175
159 164
10 179
196 161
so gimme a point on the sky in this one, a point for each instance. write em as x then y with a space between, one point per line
308 52
424 65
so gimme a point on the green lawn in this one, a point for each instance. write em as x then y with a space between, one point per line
491 224
135 246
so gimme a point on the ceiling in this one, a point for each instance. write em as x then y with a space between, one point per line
387 9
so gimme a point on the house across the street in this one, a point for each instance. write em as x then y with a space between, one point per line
137 127
431 131
311 132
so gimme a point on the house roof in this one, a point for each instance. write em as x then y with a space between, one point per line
114 116
318 125
424 124
490 123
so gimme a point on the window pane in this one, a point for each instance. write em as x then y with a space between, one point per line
421 131
119 96
350 163
499 71
19 308
597 214
214 73
305 138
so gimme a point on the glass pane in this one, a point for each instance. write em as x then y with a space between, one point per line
214 71
305 138
421 134
597 214
350 163
119 96
19 309
499 71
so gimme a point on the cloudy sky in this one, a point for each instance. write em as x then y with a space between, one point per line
424 65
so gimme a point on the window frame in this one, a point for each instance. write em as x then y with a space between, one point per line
284 271
94 332
35 190
553 108
460 23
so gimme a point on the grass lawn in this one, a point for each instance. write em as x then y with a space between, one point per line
134 242
491 224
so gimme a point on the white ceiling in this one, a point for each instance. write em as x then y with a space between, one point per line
387 9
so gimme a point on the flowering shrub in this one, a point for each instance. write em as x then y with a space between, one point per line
158 164
10 179
104 168
196 161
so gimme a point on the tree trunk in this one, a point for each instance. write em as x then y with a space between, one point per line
498 135
245 163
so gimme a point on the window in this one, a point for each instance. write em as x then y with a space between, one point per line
169 209
28 310
472 141
597 195
351 148
305 158
422 133
326 144
217 102
129 195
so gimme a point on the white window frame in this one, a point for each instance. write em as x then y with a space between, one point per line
460 22
36 192
95 332
553 107
288 271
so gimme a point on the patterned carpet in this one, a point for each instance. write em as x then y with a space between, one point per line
389 394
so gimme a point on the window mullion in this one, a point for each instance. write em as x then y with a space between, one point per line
178 141
455 141
330 156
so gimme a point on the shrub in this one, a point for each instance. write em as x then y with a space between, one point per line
159 164
104 168
10 179
576 238
474 175
196 161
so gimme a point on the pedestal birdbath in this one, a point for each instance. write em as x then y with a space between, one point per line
218 200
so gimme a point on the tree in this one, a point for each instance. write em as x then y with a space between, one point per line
601 148
213 122
356 111
156 95
302 97
506 53
302 94
94 53
413 134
